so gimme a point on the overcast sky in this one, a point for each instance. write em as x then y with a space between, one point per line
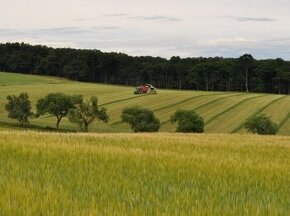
164 28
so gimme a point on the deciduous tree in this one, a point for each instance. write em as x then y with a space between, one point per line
56 104
19 108
86 112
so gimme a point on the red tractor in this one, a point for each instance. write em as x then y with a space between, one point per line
145 89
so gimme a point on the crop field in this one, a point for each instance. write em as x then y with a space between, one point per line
121 173
223 112
143 174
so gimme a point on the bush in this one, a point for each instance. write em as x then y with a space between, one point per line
86 112
262 125
187 121
140 119
19 108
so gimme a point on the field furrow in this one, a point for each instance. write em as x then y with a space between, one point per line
233 118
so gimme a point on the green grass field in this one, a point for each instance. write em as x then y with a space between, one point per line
143 174
223 112
165 173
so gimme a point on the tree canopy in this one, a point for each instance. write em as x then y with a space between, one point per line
19 108
187 121
56 104
211 74
141 119
261 124
86 112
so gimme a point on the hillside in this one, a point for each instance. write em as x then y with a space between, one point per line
224 112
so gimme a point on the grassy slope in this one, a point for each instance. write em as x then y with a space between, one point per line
143 174
223 112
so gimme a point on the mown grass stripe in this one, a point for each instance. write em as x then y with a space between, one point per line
281 124
230 108
206 104
183 101
258 112
215 100
172 105
120 100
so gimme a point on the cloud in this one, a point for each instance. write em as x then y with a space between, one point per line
252 19
228 41
105 28
84 19
14 32
159 18
156 18
62 31
118 14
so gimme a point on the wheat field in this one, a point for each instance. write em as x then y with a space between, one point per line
143 174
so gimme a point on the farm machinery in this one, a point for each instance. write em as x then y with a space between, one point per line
145 89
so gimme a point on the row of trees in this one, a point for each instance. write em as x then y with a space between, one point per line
84 113
81 112
188 121
210 74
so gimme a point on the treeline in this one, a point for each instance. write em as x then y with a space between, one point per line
210 74
84 113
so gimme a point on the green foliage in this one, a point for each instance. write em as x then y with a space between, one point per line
246 63
261 124
56 104
223 112
140 119
19 108
75 69
188 121
86 112
217 74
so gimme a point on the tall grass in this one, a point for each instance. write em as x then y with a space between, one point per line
143 174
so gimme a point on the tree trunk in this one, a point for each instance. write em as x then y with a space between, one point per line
247 80
58 122
179 76
86 129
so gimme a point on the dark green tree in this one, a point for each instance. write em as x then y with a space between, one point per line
76 69
206 73
140 119
246 64
19 108
187 121
218 73
261 124
86 112
49 66
56 104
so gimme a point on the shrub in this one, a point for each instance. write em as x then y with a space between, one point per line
86 112
19 108
140 119
187 121
261 124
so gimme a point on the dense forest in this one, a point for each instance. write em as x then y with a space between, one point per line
210 74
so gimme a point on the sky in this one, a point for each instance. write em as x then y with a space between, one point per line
186 28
